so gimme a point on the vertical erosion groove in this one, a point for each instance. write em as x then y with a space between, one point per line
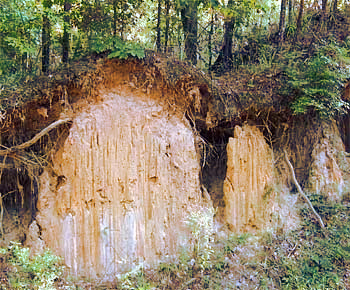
131 176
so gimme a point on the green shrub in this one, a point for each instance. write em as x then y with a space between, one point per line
25 272
316 79
117 48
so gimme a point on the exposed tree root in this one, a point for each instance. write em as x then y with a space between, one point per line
301 191
35 138
7 152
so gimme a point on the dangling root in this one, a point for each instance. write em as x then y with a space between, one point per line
301 191
22 146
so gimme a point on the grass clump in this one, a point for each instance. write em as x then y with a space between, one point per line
20 270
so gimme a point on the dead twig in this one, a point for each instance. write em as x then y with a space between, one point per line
35 138
301 191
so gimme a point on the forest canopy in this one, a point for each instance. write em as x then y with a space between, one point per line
294 38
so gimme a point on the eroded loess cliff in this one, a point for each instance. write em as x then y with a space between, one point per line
144 143
120 188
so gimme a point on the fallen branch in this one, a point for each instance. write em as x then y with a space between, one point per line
301 191
35 138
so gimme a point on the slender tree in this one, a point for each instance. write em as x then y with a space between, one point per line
65 39
158 41
211 32
282 21
189 19
122 17
46 37
335 5
115 16
300 16
290 12
324 6
167 25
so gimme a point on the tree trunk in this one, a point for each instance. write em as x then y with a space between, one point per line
158 26
324 6
122 18
228 41
46 40
167 24
65 40
115 17
282 21
189 19
24 61
290 12
179 39
211 32
300 16
335 5
225 59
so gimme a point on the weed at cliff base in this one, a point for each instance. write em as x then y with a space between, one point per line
22 271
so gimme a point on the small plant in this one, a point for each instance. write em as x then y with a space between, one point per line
117 48
267 55
200 222
21 271
134 279
291 30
